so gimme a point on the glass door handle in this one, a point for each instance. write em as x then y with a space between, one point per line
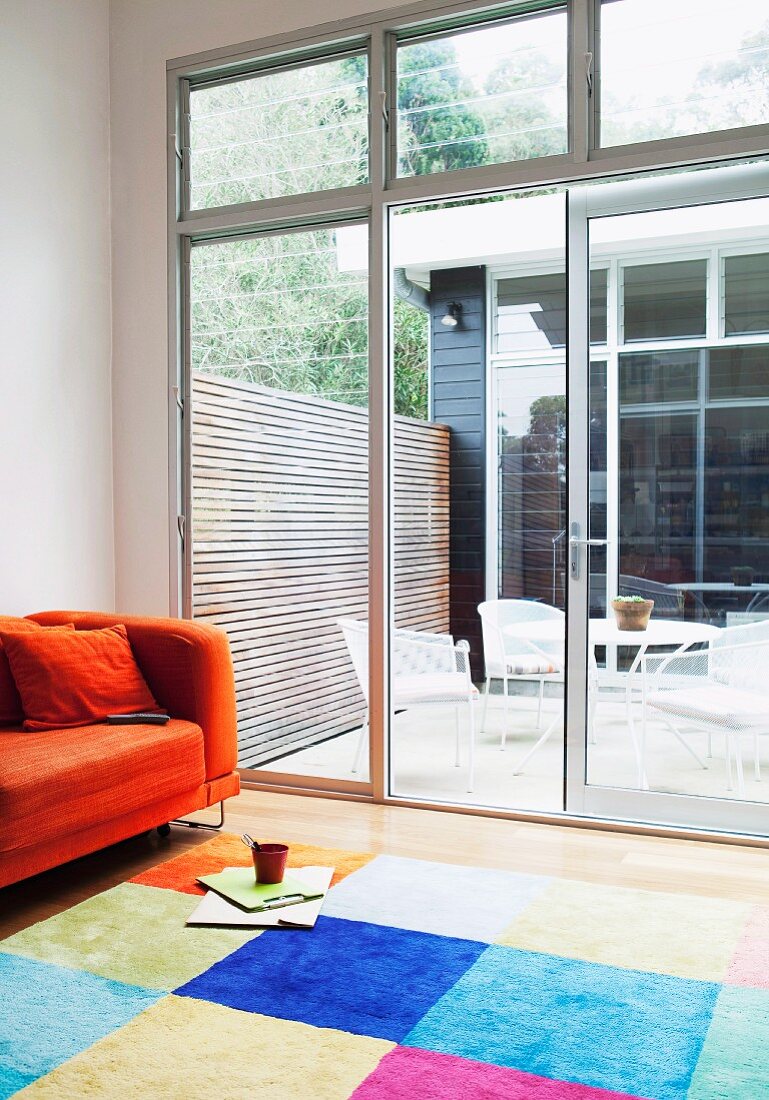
575 542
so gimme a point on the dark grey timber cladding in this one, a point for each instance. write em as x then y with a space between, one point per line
458 399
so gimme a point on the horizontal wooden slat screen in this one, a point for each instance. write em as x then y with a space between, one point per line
280 550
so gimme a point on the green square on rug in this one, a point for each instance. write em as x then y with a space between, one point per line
733 1063
132 934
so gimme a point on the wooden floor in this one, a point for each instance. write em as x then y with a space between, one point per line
622 859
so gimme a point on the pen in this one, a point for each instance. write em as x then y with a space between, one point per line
278 903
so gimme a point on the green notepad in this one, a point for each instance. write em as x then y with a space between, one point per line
237 885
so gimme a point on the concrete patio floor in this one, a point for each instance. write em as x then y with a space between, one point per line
423 758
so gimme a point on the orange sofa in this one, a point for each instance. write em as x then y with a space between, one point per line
64 793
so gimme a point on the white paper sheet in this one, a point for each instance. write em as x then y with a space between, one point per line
214 909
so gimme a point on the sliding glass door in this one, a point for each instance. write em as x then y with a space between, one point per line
669 494
278 487
478 490
578 432
441 390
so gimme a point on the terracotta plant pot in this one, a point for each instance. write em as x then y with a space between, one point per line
742 576
633 615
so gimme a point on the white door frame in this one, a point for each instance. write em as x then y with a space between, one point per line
584 204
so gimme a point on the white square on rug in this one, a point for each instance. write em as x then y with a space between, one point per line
441 898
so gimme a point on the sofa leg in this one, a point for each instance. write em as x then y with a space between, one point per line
164 830
199 824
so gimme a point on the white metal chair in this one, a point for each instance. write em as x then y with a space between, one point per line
427 669
721 689
508 659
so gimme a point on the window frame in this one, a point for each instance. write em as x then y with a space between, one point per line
666 256
529 11
378 34
723 255
741 135
359 49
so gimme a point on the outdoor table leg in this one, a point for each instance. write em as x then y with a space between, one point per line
643 782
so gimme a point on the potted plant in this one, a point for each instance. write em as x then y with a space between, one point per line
632 612
742 576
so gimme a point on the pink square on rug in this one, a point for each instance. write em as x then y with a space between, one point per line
407 1072
750 962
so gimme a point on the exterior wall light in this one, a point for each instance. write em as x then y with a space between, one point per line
453 315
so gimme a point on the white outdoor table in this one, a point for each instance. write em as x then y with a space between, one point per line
757 591
719 586
604 632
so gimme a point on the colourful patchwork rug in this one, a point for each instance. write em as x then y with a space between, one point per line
421 981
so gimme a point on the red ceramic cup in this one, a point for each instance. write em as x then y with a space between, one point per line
270 862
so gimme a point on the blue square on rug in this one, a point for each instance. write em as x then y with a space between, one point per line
470 902
52 1013
364 978
627 1030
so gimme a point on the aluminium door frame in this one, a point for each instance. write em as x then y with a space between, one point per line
380 30
731 184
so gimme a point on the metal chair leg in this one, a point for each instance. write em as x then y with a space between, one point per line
471 748
485 704
729 776
695 755
362 742
738 767
522 763
507 714
198 824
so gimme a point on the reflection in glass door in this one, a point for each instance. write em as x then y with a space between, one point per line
479 502
680 463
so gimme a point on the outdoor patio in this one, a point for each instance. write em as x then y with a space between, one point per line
423 748
677 501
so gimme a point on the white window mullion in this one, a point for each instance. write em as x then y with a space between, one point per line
714 309
380 428
581 70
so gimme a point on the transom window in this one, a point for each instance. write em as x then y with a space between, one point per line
484 96
477 90
282 132
688 67
664 301
746 294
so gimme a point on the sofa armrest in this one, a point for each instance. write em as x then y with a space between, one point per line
188 667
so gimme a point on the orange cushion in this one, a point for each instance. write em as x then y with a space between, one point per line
188 667
11 712
55 784
71 678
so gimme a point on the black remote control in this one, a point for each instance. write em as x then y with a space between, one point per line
138 718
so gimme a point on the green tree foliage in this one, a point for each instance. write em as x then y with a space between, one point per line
723 94
410 342
280 133
522 109
277 311
544 444
735 89
436 132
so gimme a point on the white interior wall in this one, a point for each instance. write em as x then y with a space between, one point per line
56 546
144 34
